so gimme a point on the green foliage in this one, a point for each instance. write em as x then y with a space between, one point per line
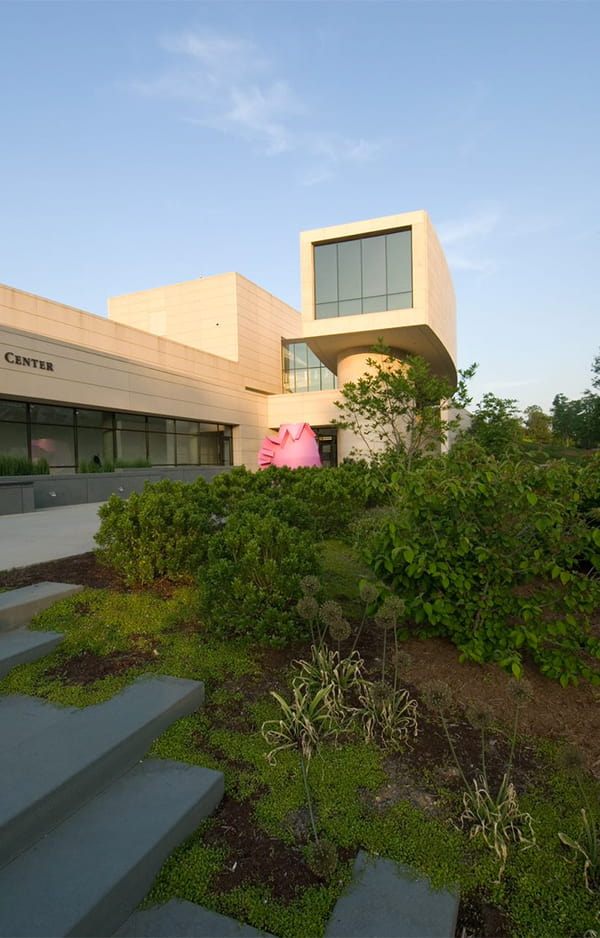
578 421
495 425
488 553
21 466
538 425
396 406
251 583
163 531
587 844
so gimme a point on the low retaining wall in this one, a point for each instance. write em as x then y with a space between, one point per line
27 493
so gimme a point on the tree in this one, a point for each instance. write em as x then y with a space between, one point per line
399 408
578 421
496 425
538 425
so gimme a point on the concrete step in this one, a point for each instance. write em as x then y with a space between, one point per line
86 876
388 900
177 919
22 717
69 761
18 607
19 646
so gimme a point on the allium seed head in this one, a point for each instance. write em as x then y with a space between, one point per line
307 607
368 591
310 585
339 630
330 611
437 695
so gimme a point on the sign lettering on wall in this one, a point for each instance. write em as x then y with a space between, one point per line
28 362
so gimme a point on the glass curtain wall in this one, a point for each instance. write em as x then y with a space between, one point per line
68 436
303 371
363 275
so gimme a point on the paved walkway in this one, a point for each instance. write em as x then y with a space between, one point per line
38 536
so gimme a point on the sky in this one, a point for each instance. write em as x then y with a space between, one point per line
147 143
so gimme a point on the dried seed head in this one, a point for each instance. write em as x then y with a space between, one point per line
339 630
479 716
368 591
391 609
310 585
437 695
307 607
330 611
521 690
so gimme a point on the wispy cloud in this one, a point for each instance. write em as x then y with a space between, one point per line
229 84
464 240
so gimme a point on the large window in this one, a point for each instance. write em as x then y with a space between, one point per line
303 371
69 436
364 275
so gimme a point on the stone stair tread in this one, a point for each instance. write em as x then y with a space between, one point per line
86 876
388 900
179 919
71 760
19 646
22 716
19 606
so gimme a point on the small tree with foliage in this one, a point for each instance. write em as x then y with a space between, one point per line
496 425
399 408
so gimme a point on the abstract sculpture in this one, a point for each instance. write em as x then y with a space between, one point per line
294 446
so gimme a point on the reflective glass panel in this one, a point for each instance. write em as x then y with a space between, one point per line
350 307
186 426
131 421
314 379
131 444
13 439
93 418
94 442
187 450
13 410
55 443
374 271
326 310
326 289
46 413
399 301
161 449
161 424
349 270
399 262
374 304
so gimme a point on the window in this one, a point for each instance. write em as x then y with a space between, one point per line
303 371
68 436
363 275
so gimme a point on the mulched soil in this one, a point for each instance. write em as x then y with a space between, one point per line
571 715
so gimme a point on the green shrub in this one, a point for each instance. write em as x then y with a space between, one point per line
22 466
164 531
489 553
251 583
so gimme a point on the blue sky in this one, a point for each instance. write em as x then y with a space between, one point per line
145 143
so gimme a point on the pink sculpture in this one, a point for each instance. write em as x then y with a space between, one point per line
294 446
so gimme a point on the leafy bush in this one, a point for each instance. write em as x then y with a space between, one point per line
251 583
21 466
164 531
489 553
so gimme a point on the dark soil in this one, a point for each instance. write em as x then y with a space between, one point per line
571 715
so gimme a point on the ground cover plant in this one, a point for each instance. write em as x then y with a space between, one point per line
472 788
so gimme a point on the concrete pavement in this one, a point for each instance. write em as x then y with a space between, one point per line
47 534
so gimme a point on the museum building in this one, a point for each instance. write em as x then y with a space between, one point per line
196 373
